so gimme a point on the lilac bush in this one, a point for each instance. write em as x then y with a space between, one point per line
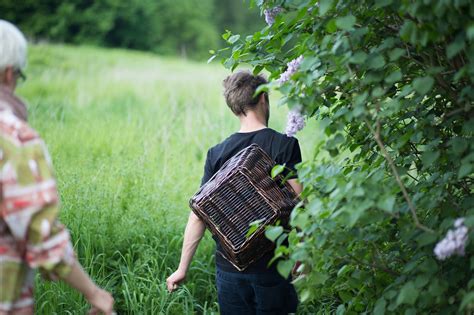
388 83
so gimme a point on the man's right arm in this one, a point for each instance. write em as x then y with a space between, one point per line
193 234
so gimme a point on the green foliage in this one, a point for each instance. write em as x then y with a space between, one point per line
391 84
179 27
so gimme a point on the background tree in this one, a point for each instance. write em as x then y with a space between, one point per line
181 27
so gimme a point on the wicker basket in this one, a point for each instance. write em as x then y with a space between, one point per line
240 193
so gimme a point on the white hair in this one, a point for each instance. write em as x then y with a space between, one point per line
12 46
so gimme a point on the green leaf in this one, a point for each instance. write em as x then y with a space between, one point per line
257 70
343 270
455 47
211 59
408 294
226 35
378 92
305 295
273 232
426 239
383 3
318 278
387 203
341 309
376 62
277 169
358 58
429 266
300 219
380 305
262 88
324 6
396 53
233 39
251 230
470 284
468 299
423 84
346 22
429 157
253 227
331 26
436 287
284 267
394 77
464 170
345 296
408 32
309 63
470 32
459 145
422 280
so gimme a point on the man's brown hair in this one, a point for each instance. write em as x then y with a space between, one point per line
239 90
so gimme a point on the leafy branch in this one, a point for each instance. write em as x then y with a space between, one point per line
388 158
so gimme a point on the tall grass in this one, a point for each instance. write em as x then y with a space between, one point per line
128 134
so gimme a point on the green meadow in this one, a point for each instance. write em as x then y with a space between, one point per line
128 133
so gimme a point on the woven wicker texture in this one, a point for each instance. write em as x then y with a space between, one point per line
240 193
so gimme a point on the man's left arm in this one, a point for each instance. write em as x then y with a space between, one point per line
293 157
296 185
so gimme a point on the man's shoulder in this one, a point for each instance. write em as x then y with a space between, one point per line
281 137
14 129
278 134
221 145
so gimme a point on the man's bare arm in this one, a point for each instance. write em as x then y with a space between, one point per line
193 234
295 184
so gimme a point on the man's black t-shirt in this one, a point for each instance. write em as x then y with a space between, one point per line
282 149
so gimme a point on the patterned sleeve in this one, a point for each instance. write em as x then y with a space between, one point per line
30 203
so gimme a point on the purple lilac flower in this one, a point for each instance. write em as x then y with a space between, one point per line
294 123
270 14
459 222
454 242
292 67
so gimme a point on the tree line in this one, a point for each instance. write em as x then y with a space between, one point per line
183 27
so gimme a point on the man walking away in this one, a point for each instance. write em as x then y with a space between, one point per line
259 289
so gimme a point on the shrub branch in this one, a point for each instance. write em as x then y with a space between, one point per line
388 158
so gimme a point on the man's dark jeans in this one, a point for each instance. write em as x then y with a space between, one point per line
248 294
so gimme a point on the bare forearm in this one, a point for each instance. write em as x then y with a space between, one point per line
79 280
193 234
100 300
297 187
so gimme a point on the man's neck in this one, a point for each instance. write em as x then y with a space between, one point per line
251 122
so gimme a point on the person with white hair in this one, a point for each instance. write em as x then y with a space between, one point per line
31 236
12 61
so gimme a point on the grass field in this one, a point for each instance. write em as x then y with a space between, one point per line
128 133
